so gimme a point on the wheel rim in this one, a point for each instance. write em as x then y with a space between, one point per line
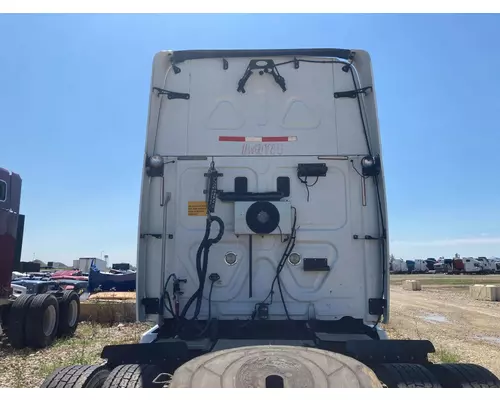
72 313
49 320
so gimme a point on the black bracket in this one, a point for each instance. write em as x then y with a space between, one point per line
367 237
214 173
225 64
316 264
171 95
350 59
262 311
151 305
250 196
176 69
352 93
155 235
264 66
314 170
376 306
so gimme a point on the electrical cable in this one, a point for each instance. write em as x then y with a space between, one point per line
209 319
355 169
206 243
304 181
166 295
210 300
361 108
377 187
159 108
284 257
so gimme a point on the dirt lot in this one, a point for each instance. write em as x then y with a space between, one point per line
461 329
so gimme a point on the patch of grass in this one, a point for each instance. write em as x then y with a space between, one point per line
446 356
28 368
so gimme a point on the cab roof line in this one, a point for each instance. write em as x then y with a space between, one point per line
183 55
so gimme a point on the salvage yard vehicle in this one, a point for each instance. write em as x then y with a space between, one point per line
488 264
472 266
36 311
399 266
263 243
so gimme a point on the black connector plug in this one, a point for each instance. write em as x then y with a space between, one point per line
177 285
214 277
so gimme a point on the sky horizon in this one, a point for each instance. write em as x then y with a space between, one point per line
74 102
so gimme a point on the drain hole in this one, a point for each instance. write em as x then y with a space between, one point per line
274 381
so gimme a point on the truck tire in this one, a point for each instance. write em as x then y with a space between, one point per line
16 327
42 321
464 376
69 313
133 376
77 376
405 376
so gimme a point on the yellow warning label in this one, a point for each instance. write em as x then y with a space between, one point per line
197 208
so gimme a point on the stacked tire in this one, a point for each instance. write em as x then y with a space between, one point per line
37 320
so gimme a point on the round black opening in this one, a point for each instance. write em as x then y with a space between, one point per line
263 217
274 381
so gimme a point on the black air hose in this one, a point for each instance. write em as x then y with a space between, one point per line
206 243
202 267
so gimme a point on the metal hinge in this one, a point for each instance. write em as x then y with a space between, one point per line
155 235
151 305
171 95
368 237
376 306
352 93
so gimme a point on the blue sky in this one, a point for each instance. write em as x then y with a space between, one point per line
73 104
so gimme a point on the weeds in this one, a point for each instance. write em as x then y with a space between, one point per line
28 368
446 356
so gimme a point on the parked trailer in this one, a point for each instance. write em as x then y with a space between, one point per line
410 264
420 267
32 313
399 266
263 244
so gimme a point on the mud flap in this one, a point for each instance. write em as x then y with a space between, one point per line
390 351
171 353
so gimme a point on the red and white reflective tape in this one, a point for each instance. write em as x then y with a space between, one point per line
256 139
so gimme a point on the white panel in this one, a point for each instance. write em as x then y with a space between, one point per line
216 109
328 221
323 232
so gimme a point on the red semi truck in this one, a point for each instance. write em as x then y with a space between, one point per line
44 311
11 230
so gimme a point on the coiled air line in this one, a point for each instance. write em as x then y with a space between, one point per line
206 243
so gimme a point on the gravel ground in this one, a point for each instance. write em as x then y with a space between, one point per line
461 329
